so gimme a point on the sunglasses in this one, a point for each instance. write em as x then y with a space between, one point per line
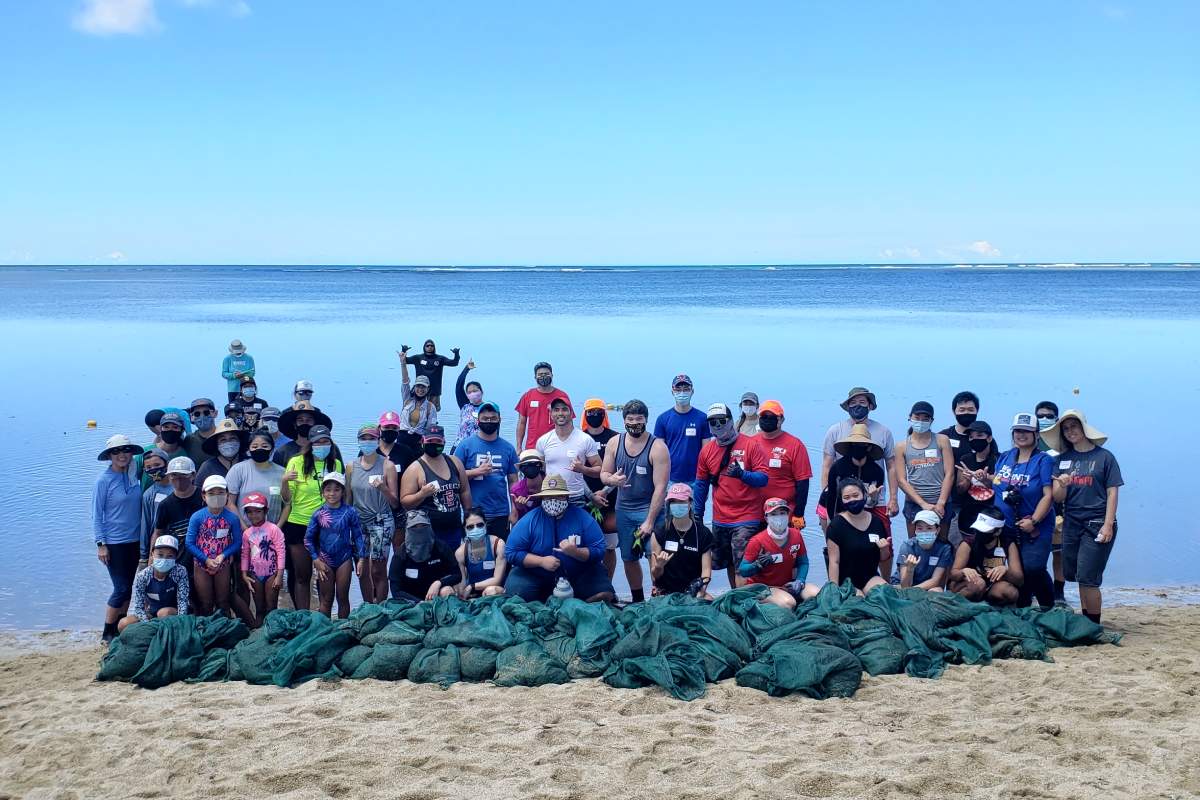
717 420
205 412
129 451
304 393
1046 416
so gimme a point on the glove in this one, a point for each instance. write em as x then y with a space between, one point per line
798 523
763 561
794 588
696 587
734 470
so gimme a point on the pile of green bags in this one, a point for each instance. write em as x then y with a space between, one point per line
677 642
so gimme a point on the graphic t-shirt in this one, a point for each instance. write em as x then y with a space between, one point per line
783 557
1092 474
688 547
734 500
787 462
489 492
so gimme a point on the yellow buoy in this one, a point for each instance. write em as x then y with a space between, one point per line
91 423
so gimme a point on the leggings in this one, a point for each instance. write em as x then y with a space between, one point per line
122 567
1038 584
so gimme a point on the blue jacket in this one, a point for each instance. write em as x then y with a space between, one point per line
117 507
243 364
538 533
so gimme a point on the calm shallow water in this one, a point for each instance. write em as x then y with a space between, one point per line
110 343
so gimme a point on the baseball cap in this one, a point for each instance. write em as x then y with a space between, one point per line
530 456
167 540
254 500
559 401
436 433
336 477
774 504
680 491
199 402
422 380
771 407
928 517
302 386
488 405
269 413
368 428
921 407
156 451
153 417
749 397
214 482
719 410
416 517
171 418
389 418
181 465
1025 422
979 426
681 379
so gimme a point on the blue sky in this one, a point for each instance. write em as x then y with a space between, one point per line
256 131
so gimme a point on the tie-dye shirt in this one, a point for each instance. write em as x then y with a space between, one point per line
263 551
335 535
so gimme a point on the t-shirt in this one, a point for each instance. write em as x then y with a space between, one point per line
306 489
1092 474
787 462
1029 479
970 507
415 577
285 453
858 551
535 407
151 499
489 492
213 466
174 512
958 442
688 547
684 434
937 557
734 500
870 472
521 489
602 438
880 435
559 453
246 477
783 557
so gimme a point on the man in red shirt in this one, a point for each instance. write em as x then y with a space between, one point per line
533 409
732 464
788 468
776 557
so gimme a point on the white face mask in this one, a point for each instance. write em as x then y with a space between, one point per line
778 525
555 506
749 409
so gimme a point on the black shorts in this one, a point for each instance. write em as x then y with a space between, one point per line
293 533
1084 559
498 526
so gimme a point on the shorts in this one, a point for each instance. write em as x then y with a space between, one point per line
730 543
628 522
611 541
378 537
911 508
538 584
498 526
1084 559
1056 544
293 533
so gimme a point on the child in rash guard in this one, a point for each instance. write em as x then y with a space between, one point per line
335 541
263 555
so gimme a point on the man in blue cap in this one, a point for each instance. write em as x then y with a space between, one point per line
684 429
491 469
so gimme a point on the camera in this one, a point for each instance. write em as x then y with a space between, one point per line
1012 496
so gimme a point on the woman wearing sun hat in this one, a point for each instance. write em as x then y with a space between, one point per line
1087 479
1022 485
858 457
117 525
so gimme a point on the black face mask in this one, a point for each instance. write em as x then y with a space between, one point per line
855 506
170 437
965 419
595 418
302 430
544 380
768 423
389 435
978 445
433 449
489 427
260 456
635 429
531 470
858 413
156 474
856 450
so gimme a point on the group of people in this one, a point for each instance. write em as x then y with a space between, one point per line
224 514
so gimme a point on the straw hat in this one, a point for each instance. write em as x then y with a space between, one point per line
1053 437
553 486
859 435
225 426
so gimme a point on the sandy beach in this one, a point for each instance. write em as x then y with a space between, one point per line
1101 721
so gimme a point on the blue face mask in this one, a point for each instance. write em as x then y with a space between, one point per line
926 540
249 391
683 398
321 452
164 564
368 446
476 532
920 425
858 413
679 510
1045 423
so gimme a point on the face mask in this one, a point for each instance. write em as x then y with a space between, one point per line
855 506
859 413
418 541
215 502
749 409
229 449
555 506
723 432
302 430
1044 423
156 474
978 445
778 523
432 449
488 428
635 429
170 437
475 397
389 435
920 425
476 532
679 510
926 539
164 564
206 423
321 452
965 419
272 426
368 446
858 451
531 470
544 380
768 424
683 398
594 418
260 455
249 391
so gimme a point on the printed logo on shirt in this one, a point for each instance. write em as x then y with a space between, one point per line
493 458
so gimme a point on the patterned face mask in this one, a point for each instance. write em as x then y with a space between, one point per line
555 506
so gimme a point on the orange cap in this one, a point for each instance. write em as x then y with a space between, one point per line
772 407
593 404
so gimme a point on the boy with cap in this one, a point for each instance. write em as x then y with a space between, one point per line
777 557
235 366
423 567
788 467
685 430
160 589
922 561
175 510
158 488
203 414
533 409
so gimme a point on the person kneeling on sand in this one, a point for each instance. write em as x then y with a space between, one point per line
923 562
480 560
988 568
776 557
557 541
160 589
424 567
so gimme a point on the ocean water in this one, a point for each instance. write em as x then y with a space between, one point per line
108 343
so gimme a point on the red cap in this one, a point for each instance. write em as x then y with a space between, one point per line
254 500
389 418
774 504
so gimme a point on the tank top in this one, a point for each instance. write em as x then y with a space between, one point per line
370 503
924 469
445 505
479 571
639 477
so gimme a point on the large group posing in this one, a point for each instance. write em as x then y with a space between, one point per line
230 505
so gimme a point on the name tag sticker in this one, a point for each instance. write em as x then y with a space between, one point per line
998 552
397 466
1064 465
931 453
776 463
158 498
671 546
274 490
776 558
873 537
221 533
640 470
534 403
410 573
489 565
955 443
689 431
933 561
575 538
152 595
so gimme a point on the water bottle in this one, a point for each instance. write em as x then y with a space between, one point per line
563 590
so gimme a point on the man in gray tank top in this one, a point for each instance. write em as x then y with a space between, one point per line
637 465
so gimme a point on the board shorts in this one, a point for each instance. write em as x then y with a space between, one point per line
730 542
378 537
1084 559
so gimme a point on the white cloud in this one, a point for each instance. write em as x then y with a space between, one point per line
983 248
113 17
910 253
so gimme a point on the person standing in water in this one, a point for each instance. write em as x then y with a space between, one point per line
430 364
469 395
235 366
117 525
533 409
684 429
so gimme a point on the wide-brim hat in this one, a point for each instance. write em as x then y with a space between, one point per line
1053 437
115 441
287 420
855 392
553 486
225 426
859 434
